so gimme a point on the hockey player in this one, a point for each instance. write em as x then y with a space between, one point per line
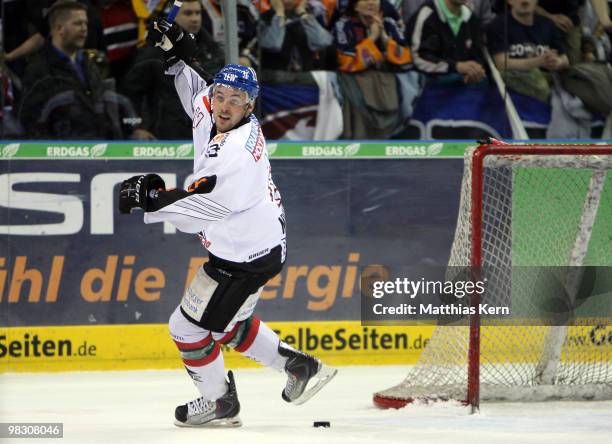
236 209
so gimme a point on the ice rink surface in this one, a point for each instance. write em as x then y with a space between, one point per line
138 407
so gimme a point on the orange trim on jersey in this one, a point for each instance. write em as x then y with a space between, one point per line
366 55
206 103
398 54
196 184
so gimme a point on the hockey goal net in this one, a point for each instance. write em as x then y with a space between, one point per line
525 205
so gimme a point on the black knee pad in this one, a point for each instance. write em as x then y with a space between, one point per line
221 294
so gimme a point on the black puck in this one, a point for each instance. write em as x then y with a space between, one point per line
321 424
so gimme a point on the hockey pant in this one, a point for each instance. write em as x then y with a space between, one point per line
200 325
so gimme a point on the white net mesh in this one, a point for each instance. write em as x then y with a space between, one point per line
537 211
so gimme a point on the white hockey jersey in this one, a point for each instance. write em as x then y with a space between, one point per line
241 218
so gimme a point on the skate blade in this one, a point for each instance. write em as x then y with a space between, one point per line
324 375
234 421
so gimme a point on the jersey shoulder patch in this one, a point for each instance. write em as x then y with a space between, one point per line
255 143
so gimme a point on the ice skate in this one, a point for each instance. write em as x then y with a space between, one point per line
306 375
220 413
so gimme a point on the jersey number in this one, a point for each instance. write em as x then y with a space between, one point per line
212 150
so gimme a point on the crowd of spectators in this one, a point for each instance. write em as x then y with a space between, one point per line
81 70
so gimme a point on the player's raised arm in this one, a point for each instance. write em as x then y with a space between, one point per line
180 50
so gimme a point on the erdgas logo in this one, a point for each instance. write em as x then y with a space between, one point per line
154 151
10 150
331 150
414 150
71 151
183 150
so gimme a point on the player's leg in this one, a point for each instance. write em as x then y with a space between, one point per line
306 375
203 360
201 355
255 340
222 301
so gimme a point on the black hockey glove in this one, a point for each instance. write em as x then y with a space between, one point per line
140 192
172 39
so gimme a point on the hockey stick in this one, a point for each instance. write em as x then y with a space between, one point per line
518 129
174 11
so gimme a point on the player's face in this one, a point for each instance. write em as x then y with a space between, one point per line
230 106
190 17
523 7
73 31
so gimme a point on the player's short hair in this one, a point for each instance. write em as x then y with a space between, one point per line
61 11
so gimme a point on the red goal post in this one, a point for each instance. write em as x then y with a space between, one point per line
496 178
